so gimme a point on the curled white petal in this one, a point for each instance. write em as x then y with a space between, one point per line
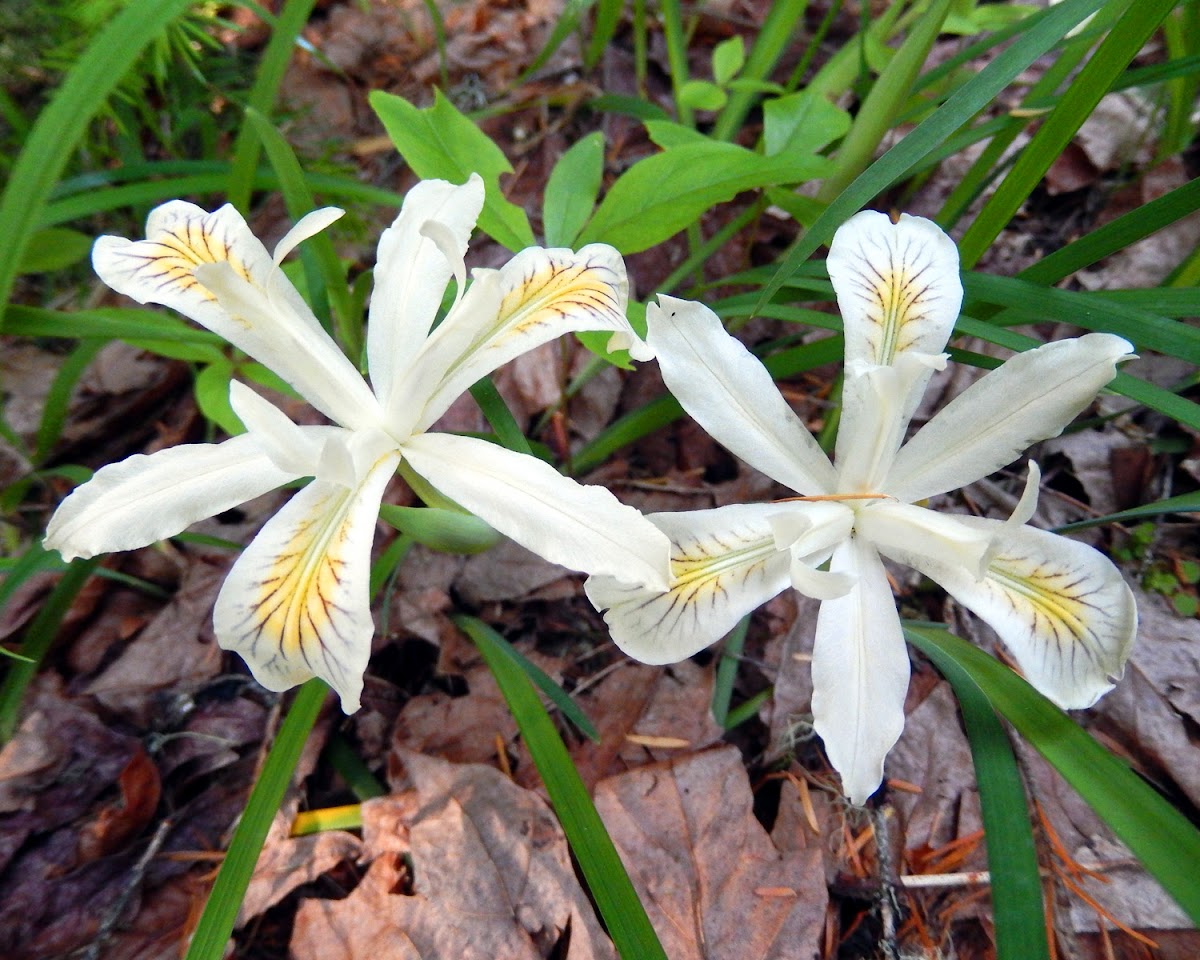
728 391
580 527
1031 397
903 531
296 603
294 449
859 672
147 498
307 226
724 564
306 357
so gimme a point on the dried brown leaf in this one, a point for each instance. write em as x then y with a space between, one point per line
712 881
490 877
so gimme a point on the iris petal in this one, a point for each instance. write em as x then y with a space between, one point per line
724 564
296 603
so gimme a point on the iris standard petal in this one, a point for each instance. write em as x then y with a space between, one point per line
411 273
728 391
296 603
537 296
859 672
1031 397
146 498
897 286
724 564
581 527
1061 608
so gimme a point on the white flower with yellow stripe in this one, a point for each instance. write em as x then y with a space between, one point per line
295 604
1060 606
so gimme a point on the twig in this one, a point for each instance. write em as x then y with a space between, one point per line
112 915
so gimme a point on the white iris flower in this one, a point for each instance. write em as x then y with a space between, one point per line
1061 607
296 605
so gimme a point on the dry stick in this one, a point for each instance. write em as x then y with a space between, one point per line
889 905
109 922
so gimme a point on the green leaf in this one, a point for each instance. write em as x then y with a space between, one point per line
728 57
1012 856
1167 844
212 397
609 884
221 909
572 189
439 142
1043 32
668 133
59 127
801 122
53 249
450 531
662 194
701 95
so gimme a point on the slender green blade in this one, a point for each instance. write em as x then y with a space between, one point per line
271 68
41 632
61 124
1166 843
1012 856
225 900
606 878
1045 30
1121 45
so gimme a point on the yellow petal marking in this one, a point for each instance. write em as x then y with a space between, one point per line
296 594
702 574
548 293
171 256
1055 602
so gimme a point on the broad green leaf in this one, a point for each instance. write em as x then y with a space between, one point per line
440 143
53 249
571 190
801 122
702 95
728 57
1167 844
212 397
662 194
668 133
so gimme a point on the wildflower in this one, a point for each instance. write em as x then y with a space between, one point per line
296 603
1061 608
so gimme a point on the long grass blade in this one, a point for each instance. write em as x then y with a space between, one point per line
1045 30
606 878
64 120
1114 54
1012 857
1167 844
271 67
221 910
